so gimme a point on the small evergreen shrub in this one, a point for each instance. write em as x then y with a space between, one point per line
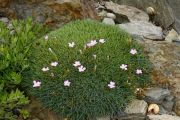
86 69
15 43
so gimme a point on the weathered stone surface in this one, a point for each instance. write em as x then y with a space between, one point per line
171 36
177 107
164 14
137 106
131 117
156 95
132 13
103 118
108 21
163 117
165 61
168 105
52 12
174 5
143 29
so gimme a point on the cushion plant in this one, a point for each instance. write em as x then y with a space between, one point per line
86 69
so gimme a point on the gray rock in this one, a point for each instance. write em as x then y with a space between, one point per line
111 15
168 105
131 117
4 20
156 95
163 117
172 35
169 98
162 111
103 118
109 21
174 5
163 11
137 106
132 13
143 29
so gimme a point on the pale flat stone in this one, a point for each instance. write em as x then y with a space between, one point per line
137 106
143 29
163 117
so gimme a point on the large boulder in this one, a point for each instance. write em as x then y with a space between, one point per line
167 11
143 29
51 12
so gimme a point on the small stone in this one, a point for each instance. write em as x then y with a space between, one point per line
109 21
163 117
168 105
103 118
172 35
137 106
102 13
156 95
4 20
111 15
177 107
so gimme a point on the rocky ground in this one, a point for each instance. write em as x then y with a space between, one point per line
161 100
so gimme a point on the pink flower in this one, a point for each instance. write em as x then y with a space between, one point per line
45 69
138 71
54 64
81 68
102 41
92 43
36 83
67 83
111 85
71 45
76 64
46 37
133 51
123 67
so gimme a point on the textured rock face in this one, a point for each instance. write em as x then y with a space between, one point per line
50 12
167 11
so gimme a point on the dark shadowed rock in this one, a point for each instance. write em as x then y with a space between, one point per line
156 95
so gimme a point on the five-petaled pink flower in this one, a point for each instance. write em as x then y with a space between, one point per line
92 43
102 41
54 64
67 83
46 37
111 85
76 63
71 45
123 67
45 69
36 83
138 71
133 51
81 68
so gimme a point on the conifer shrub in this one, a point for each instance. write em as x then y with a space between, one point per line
86 69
